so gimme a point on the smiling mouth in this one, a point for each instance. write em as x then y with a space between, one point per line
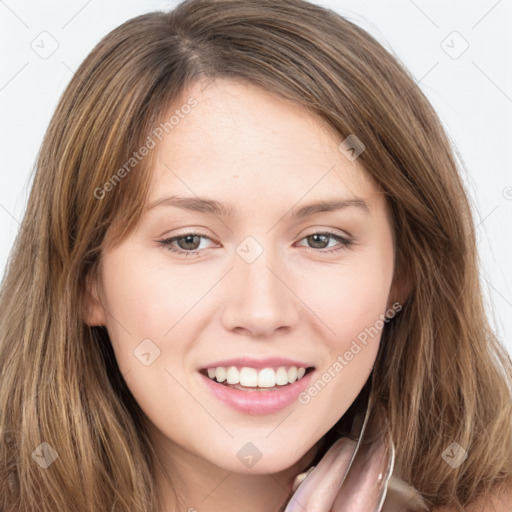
250 379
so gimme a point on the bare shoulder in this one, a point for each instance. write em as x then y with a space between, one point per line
499 500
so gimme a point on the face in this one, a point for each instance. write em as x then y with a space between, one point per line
261 283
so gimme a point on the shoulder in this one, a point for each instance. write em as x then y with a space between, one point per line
403 497
499 500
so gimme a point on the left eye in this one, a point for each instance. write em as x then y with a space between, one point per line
188 243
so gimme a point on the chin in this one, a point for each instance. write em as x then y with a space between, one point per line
260 457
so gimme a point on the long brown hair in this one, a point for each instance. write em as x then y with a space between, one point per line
440 373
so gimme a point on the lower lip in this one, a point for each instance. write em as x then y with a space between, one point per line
258 402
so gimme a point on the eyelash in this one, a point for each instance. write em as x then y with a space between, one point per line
345 242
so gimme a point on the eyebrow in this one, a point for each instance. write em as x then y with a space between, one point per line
210 206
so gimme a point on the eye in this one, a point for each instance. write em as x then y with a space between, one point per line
188 242
320 238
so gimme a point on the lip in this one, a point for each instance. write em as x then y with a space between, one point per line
268 362
258 402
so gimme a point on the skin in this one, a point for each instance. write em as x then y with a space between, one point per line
267 157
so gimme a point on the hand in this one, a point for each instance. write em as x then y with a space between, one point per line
351 477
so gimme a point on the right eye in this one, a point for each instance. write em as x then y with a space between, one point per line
184 240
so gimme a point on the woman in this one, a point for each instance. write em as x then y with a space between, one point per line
184 343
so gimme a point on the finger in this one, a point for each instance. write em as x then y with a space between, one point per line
299 478
365 486
318 491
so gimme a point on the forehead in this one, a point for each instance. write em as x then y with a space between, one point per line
242 142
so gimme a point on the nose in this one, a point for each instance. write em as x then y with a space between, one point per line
259 298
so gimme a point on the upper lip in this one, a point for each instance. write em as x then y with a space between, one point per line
268 362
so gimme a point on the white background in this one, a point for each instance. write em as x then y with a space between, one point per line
471 90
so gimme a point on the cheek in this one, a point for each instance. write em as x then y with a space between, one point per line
148 300
142 295
351 308
348 299
134 307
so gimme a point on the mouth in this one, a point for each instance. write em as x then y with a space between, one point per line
246 378
257 391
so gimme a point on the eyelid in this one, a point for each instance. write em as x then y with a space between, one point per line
344 240
308 232
322 230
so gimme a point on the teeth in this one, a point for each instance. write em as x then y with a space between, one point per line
267 378
281 376
250 377
232 375
220 374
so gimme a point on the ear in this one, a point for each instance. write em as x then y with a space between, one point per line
94 310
